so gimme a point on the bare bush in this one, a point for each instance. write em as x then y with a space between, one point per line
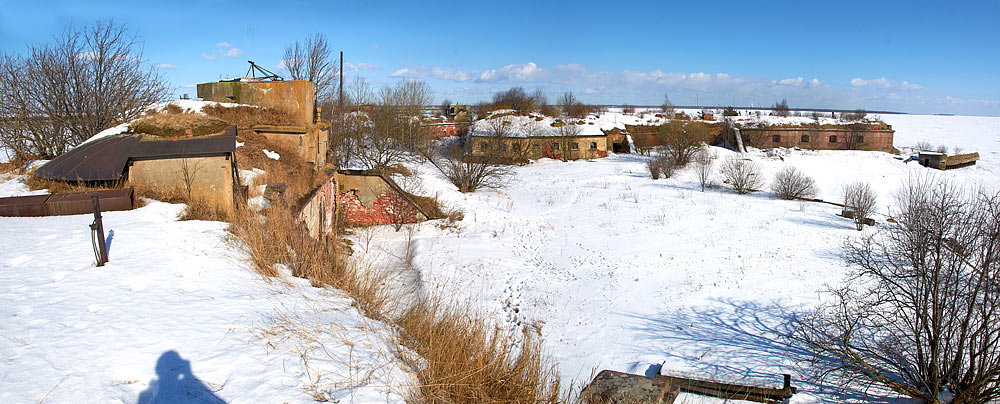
682 139
667 107
704 160
924 146
63 93
854 116
860 200
628 109
653 168
661 164
920 312
781 108
790 183
742 174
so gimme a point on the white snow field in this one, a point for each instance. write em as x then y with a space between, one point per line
617 271
175 317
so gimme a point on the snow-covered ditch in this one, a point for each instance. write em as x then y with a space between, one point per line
617 271
177 315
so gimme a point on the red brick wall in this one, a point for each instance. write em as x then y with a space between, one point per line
389 208
819 139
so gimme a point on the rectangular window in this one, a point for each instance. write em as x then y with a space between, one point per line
593 145
861 138
536 146
574 146
775 138
555 146
805 138
482 147
833 139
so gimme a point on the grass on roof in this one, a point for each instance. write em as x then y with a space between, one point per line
178 125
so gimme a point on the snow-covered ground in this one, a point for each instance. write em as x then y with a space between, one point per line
175 316
619 271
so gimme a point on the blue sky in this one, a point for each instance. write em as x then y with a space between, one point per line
924 57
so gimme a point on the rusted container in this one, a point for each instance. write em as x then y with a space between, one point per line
33 205
79 203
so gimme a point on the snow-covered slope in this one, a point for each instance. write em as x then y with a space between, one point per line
176 315
618 271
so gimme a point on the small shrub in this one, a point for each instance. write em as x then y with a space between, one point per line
790 183
730 111
742 174
781 108
628 109
654 168
704 159
859 200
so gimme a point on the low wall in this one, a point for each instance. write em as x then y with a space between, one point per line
211 178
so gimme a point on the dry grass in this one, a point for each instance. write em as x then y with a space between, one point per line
35 182
178 125
244 116
465 360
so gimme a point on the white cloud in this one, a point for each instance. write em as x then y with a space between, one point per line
361 67
907 86
884 84
233 52
519 72
188 86
590 91
207 56
797 82
165 66
223 45
222 50
418 72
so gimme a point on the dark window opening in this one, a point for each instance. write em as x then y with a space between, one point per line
861 138
555 146
593 145
833 139
574 146
775 138
482 147
805 138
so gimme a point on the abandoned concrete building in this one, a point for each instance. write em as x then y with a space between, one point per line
309 136
353 198
943 161
200 167
876 138
545 144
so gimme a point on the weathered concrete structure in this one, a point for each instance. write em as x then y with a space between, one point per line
309 136
352 198
943 161
820 138
201 167
536 147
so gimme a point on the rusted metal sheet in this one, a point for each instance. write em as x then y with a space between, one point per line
106 159
100 160
153 147
617 387
79 203
25 206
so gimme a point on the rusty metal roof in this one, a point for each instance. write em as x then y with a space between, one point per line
100 160
106 159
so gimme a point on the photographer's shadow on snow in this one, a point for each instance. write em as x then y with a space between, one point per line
175 383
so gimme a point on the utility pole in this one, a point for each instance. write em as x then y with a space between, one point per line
341 105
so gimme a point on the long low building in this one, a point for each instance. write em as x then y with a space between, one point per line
823 138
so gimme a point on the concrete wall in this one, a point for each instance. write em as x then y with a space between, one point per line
548 146
211 178
297 97
310 142
820 139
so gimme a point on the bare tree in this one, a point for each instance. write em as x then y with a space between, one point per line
790 183
189 174
469 173
682 139
63 93
742 174
566 102
860 201
667 107
781 108
567 134
379 136
704 160
920 311
311 59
